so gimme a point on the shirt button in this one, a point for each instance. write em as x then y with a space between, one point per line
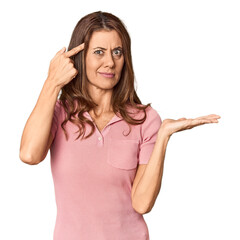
99 138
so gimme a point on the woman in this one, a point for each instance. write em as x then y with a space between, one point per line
107 179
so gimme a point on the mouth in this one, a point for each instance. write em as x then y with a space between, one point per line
107 75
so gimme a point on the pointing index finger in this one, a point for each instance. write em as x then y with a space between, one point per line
75 50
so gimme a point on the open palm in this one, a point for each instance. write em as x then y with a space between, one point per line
172 126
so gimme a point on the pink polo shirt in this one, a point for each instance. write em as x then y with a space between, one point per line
93 177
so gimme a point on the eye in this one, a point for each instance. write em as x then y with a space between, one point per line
118 51
97 52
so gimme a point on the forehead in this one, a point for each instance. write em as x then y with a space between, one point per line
105 39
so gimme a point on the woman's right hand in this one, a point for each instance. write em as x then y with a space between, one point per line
61 70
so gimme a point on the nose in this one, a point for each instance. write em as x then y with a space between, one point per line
109 61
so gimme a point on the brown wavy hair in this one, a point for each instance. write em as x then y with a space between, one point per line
75 91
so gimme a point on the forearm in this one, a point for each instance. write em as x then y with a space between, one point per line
37 129
149 185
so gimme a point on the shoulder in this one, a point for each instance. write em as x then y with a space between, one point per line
58 105
59 109
151 112
152 117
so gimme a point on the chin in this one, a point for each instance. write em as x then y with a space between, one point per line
107 84
104 86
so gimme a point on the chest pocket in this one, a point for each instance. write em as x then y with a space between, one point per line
123 154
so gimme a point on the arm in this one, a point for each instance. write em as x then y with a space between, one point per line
149 185
36 137
36 132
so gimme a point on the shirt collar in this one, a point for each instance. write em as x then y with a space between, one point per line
114 119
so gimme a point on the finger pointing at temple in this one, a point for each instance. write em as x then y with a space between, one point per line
75 50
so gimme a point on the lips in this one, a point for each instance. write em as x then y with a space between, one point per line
108 75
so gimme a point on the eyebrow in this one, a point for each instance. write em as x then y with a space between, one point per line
106 49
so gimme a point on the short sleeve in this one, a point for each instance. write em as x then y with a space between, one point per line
149 130
55 119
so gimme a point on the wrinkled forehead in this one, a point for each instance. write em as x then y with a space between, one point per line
105 39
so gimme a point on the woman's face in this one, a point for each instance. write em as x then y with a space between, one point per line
104 55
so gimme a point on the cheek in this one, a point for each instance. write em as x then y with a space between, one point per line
120 65
91 65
